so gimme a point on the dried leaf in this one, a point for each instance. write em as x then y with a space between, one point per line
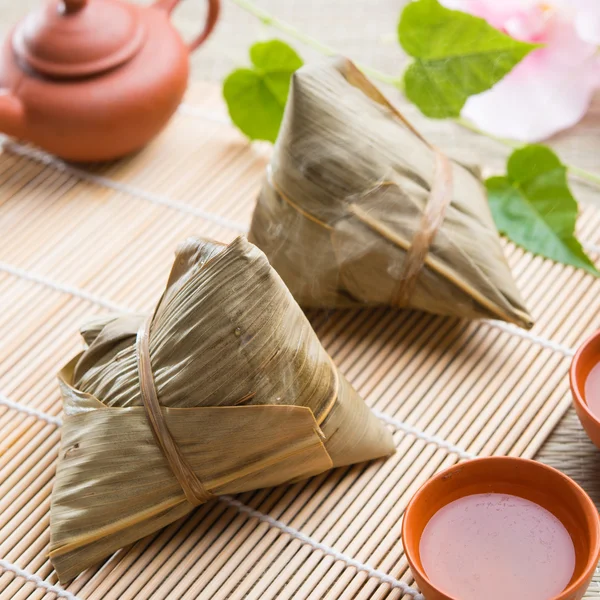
226 331
344 197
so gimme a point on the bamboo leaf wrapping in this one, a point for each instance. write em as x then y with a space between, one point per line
343 198
247 391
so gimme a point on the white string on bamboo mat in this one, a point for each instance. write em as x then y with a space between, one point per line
32 412
38 581
60 287
430 439
244 508
350 562
83 175
544 342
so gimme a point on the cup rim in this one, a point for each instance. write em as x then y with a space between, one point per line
594 554
576 385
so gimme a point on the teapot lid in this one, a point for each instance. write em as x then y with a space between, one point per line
77 38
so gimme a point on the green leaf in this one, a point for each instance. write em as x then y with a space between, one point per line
533 206
256 96
456 55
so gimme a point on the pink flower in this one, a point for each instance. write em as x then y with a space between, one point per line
551 88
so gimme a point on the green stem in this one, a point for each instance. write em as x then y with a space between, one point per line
573 170
585 175
468 125
396 81
290 30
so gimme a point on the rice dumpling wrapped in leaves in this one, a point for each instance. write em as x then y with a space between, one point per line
357 208
225 389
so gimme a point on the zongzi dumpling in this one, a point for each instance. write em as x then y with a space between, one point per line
225 389
358 209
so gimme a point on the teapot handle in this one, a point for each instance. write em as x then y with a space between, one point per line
214 8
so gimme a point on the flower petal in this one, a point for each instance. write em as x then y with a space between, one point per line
497 12
532 109
587 20
548 91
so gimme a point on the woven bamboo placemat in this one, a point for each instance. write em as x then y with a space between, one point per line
76 242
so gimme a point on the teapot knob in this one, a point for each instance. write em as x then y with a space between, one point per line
71 6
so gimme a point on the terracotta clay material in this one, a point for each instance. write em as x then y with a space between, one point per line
585 359
528 479
92 80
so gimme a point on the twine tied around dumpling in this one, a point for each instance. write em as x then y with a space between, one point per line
192 487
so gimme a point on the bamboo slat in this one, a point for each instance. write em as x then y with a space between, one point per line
75 242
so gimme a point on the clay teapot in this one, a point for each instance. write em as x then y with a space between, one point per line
91 80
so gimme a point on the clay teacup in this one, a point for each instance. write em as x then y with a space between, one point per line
586 357
507 475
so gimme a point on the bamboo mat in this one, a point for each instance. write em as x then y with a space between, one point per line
78 242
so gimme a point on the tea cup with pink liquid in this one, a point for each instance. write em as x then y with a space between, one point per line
501 527
584 376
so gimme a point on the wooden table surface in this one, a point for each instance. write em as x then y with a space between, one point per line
366 32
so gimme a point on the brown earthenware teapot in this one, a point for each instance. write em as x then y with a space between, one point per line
93 80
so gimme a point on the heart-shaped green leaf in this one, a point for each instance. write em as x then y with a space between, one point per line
533 206
456 55
256 96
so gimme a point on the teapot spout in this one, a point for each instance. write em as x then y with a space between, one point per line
12 120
